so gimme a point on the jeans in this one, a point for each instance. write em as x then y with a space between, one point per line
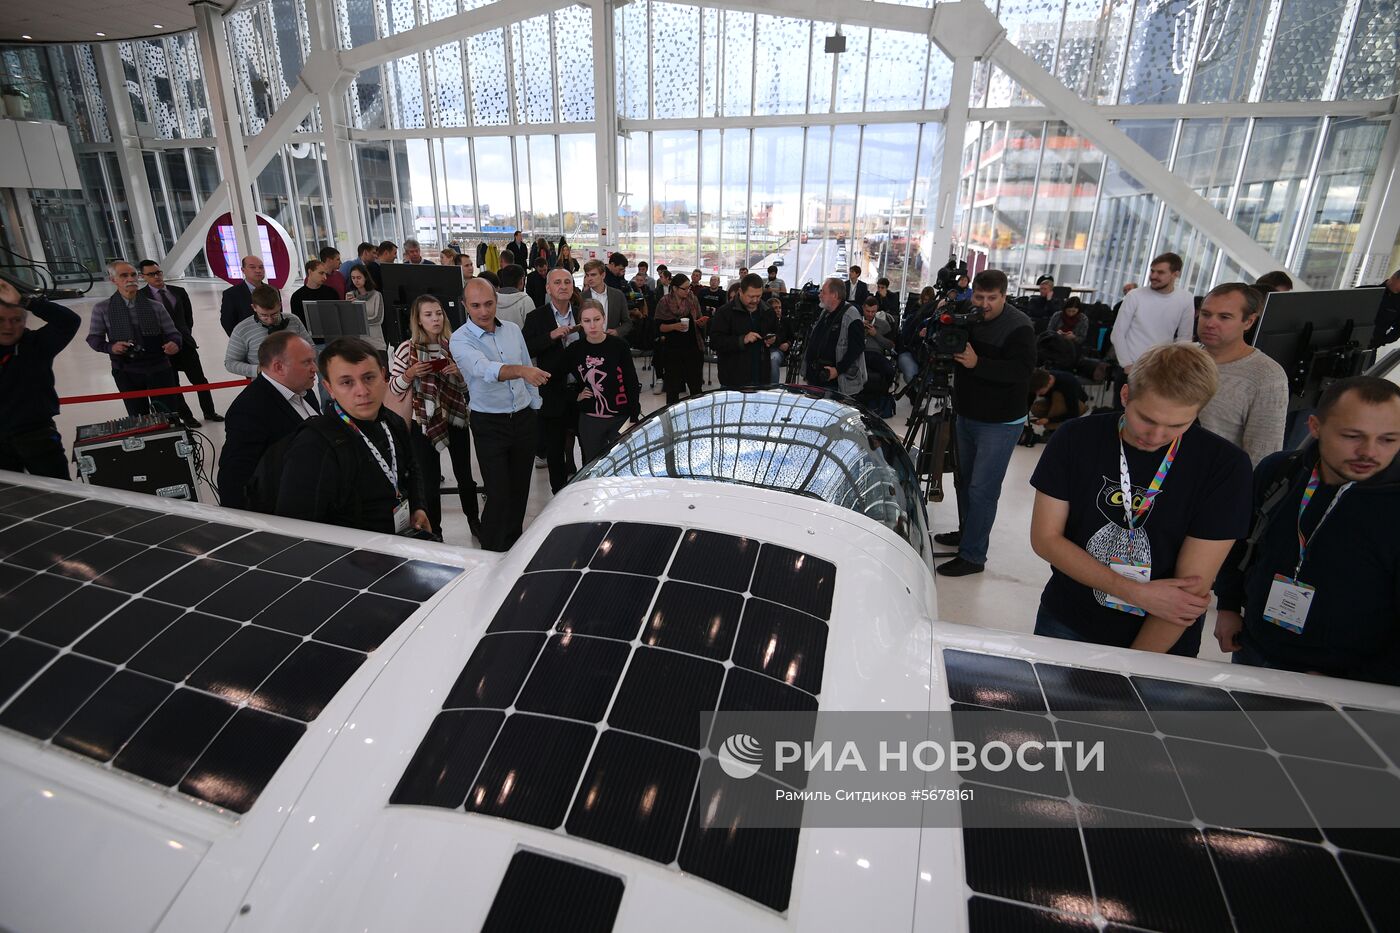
775 362
984 451
908 366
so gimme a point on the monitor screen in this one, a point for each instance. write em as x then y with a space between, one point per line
228 242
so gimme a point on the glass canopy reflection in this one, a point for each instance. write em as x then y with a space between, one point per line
806 443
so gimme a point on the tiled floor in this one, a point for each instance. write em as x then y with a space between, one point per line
1004 597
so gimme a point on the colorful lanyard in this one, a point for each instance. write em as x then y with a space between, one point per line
1125 481
391 470
1308 491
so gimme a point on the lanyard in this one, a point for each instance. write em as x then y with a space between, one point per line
1308 491
1125 481
391 470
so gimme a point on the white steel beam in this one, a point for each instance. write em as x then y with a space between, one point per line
1369 260
344 211
954 138
1086 119
459 26
228 134
145 229
278 129
605 126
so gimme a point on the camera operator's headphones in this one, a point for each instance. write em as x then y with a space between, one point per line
274 328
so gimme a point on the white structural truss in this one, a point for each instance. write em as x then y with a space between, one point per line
966 31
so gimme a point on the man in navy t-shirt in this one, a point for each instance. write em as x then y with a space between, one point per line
1136 512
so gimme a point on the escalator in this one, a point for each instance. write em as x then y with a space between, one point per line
42 278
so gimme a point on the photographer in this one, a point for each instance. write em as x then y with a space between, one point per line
28 402
835 355
990 386
915 330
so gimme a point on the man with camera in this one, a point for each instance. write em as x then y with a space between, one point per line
738 339
990 385
835 356
139 337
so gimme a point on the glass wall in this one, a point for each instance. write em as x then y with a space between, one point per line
476 137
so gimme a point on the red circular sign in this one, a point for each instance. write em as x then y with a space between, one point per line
221 250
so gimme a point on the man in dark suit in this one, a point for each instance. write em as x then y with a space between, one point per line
595 286
271 407
548 330
177 304
856 290
237 300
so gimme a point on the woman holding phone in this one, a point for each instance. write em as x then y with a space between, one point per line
362 288
423 375
609 391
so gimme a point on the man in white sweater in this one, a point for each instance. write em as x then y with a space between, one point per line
1161 313
1251 405
241 357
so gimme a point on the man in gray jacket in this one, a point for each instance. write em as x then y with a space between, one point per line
596 287
241 358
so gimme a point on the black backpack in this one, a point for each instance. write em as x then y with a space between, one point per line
261 488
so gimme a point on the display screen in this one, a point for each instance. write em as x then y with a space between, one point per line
228 241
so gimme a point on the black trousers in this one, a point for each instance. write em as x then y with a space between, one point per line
136 380
505 451
685 367
428 461
37 450
596 434
557 441
187 362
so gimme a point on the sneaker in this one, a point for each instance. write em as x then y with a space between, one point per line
957 567
948 538
541 463
215 418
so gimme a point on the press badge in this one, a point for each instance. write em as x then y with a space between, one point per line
401 517
1139 572
1288 604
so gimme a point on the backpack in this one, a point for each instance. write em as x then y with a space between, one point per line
261 488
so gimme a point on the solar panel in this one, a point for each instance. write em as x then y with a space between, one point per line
189 653
579 710
1246 818
543 893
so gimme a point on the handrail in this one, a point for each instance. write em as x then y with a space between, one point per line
44 273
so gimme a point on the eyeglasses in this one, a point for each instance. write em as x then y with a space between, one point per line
149 273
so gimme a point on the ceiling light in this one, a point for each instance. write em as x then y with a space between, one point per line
102 34
157 26
27 37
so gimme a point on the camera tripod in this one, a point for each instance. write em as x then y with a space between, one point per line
929 436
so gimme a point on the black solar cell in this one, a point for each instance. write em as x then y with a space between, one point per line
608 605
715 559
795 579
55 695
237 765
448 759
783 643
532 770
305 607
542 893
358 569
73 615
574 677
113 715
248 595
534 602
243 662
698 620
166 746
143 570
664 695
568 547
127 630
366 621
634 796
302 686
630 547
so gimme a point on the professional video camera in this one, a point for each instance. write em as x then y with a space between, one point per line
950 337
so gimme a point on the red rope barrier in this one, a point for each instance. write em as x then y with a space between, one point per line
149 393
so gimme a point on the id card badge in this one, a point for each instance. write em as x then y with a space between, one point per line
1288 604
1139 572
401 517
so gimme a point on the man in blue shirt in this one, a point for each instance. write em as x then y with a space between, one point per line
504 390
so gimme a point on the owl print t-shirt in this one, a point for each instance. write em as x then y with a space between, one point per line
1206 495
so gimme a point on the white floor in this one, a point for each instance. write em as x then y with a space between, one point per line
1004 597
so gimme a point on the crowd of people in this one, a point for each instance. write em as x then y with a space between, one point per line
1180 488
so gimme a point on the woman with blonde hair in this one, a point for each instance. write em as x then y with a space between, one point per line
425 381
363 288
566 259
